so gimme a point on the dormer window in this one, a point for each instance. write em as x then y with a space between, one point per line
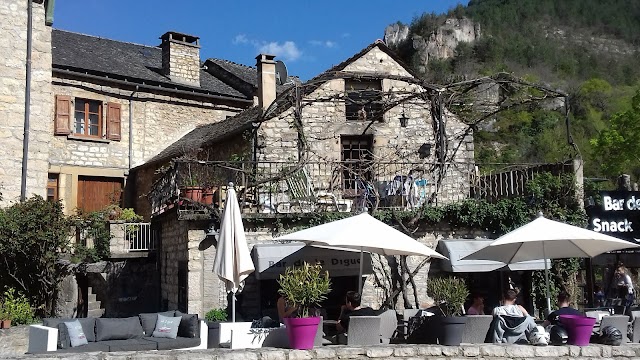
364 100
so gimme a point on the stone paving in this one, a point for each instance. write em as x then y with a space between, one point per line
413 352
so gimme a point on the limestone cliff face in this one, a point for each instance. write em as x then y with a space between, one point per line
441 44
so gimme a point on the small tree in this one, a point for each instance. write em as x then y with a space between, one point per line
33 235
449 294
305 286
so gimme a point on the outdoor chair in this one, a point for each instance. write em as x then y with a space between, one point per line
406 315
635 325
476 329
620 322
362 330
303 197
388 325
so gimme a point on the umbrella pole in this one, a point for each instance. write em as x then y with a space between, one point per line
546 278
233 306
361 266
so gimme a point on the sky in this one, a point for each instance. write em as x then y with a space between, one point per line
309 36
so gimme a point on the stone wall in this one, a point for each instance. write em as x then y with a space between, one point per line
413 352
324 123
13 50
158 120
14 341
181 61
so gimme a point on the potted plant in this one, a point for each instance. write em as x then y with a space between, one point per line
305 287
449 294
192 188
5 321
214 317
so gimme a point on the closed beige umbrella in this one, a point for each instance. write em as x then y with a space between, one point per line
233 261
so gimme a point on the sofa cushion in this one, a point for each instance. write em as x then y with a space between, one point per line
177 343
118 329
189 325
76 333
139 344
167 327
88 326
148 321
90 347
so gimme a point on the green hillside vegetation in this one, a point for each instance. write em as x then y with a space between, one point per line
550 42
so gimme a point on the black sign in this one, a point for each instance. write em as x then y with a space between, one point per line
616 213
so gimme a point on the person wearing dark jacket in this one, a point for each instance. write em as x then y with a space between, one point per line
564 299
351 308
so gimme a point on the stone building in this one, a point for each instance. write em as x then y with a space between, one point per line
364 126
99 107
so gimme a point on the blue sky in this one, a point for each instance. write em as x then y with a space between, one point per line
309 36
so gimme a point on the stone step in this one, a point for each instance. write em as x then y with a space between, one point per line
92 298
95 313
93 305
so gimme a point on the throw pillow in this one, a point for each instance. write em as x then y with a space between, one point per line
76 334
118 328
189 325
167 327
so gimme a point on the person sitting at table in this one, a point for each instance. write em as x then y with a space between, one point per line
477 308
509 306
286 309
564 300
351 308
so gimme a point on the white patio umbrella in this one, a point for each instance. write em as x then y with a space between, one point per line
365 233
547 239
233 261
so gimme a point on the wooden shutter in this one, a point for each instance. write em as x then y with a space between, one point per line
63 115
114 128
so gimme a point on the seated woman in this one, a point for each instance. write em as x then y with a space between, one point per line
509 306
511 323
477 308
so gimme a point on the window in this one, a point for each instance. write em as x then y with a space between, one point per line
84 118
52 187
364 100
88 118
357 154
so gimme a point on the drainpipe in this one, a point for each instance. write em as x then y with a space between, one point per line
131 126
27 103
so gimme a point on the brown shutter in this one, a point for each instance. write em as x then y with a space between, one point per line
113 121
63 115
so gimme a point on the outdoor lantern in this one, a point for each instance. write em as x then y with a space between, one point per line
403 119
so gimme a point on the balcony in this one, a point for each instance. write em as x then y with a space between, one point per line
270 189
131 239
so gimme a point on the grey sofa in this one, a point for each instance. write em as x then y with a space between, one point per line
118 334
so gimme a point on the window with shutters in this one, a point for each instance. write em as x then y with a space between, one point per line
88 118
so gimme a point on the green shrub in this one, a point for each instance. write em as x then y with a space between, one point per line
34 234
305 286
216 315
449 293
17 308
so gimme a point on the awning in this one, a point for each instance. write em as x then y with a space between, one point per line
456 249
270 260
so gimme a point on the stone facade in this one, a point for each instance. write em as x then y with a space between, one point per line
324 123
13 50
157 121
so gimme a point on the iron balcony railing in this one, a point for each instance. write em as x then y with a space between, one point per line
138 237
287 187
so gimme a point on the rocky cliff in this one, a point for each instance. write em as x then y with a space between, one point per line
441 44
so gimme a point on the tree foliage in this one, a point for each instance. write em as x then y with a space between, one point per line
33 235
617 147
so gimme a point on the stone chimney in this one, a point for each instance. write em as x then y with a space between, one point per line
266 79
181 58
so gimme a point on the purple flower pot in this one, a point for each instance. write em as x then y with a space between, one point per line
579 328
302 332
